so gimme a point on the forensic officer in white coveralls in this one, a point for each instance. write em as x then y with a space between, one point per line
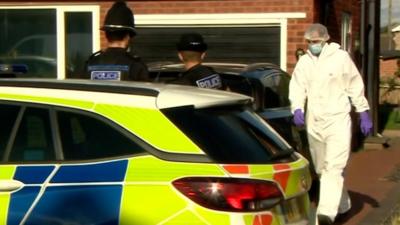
329 81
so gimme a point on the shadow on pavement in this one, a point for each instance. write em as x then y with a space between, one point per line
358 201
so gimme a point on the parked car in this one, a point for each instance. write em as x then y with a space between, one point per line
266 83
12 70
36 66
93 152
39 54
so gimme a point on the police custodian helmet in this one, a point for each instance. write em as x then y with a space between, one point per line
119 18
191 42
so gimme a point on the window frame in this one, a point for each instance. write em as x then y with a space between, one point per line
60 21
346 31
11 139
225 20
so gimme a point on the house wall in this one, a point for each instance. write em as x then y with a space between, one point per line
295 27
388 68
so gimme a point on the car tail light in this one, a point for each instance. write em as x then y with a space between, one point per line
230 194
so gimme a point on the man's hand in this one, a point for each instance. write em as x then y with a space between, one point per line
298 118
366 123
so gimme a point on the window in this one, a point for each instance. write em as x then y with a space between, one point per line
29 37
8 116
78 42
234 37
225 44
276 90
84 137
389 19
229 135
34 141
51 41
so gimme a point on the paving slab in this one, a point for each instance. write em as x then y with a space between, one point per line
373 181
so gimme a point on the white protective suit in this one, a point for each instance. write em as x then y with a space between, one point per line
330 83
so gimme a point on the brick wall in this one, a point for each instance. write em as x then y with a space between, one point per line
296 27
388 67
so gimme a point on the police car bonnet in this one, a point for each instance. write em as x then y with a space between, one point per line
191 42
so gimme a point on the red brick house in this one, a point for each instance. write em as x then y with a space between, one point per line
65 32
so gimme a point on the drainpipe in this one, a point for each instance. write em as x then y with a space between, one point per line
372 52
373 60
363 39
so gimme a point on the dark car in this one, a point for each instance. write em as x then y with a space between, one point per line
267 83
36 66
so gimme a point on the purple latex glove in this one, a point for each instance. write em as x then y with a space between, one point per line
366 123
298 118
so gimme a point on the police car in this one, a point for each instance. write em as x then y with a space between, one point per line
95 152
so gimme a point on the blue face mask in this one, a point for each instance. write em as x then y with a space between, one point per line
316 48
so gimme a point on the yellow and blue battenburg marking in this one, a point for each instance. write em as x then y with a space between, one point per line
6 173
118 192
33 177
90 193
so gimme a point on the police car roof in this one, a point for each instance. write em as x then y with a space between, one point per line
167 95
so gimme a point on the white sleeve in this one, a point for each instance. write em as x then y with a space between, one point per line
355 86
297 87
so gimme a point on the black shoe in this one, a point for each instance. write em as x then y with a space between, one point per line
324 220
342 217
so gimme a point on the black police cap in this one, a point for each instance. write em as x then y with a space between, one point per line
191 42
119 18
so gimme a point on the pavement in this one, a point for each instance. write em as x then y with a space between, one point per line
373 181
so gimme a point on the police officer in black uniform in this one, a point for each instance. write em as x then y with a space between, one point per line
115 62
191 51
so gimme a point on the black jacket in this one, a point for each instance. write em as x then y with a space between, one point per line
115 64
200 76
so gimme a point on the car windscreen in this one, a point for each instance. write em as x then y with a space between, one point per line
232 134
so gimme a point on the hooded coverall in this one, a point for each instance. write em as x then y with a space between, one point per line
330 83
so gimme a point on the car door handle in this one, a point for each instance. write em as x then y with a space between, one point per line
10 185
